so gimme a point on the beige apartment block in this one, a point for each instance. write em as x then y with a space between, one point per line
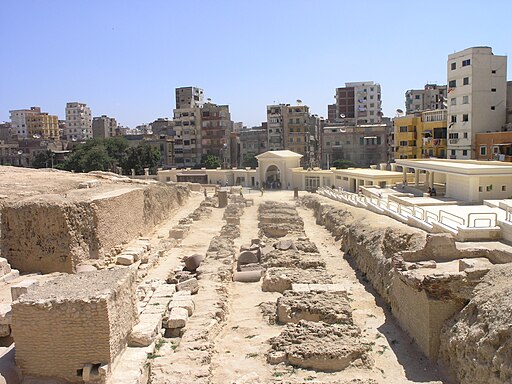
19 120
477 94
42 126
74 326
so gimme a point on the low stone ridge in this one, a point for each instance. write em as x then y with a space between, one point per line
477 342
281 279
329 307
320 346
292 258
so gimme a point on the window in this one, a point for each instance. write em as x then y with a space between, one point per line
503 188
453 152
483 150
453 66
403 143
417 97
465 117
453 101
493 108
453 135
464 152
493 71
465 99
480 188
465 135
493 89
454 118
452 84
495 149
465 63
465 81
403 128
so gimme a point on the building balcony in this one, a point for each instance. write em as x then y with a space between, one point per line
434 143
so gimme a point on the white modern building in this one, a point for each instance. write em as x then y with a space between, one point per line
78 122
477 95
19 120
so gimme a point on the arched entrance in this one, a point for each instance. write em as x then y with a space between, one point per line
273 177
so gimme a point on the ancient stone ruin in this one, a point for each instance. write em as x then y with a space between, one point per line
105 279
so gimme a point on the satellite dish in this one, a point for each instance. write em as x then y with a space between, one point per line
20 152
343 130
36 136
342 115
399 111
209 100
299 101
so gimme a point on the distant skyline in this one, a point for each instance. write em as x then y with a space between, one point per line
125 58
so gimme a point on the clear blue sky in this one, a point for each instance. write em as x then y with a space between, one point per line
124 58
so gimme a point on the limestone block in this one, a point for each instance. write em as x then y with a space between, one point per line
190 285
178 233
5 314
245 247
13 275
145 332
136 252
21 288
183 302
164 290
177 318
5 268
300 288
125 259
285 244
179 295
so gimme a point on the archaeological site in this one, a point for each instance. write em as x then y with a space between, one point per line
111 279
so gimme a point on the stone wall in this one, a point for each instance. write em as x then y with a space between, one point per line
53 234
386 252
72 321
477 342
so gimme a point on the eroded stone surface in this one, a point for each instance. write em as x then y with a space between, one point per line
320 346
281 279
332 308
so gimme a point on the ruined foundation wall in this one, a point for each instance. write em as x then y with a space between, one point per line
477 342
421 316
424 306
55 234
72 321
47 235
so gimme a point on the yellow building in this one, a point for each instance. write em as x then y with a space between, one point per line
42 125
420 136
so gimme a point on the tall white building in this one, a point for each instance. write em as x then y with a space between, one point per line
78 122
19 120
477 95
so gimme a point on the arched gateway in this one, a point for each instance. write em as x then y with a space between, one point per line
275 168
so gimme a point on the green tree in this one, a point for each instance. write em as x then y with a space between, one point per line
250 160
42 160
343 164
211 162
142 156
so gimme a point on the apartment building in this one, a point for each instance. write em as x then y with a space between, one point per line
431 97
104 126
477 91
494 146
78 122
290 127
364 145
19 121
253 141
421 135
357 103
189 97
216 126
42 125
